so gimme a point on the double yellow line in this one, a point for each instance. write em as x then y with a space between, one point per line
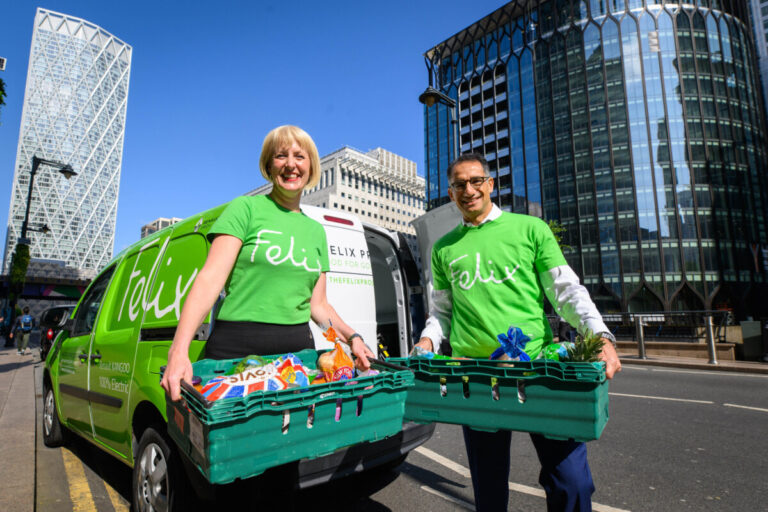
80 491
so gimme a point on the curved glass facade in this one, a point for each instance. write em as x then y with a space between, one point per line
74 113
637 124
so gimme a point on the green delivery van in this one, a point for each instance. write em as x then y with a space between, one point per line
101 375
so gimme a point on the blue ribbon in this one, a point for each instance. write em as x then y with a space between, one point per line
512 344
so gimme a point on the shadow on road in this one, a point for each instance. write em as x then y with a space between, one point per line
437 482
113 472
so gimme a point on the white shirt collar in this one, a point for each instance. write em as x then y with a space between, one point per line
494 214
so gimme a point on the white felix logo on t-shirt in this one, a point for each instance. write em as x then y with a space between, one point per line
466 281
275 252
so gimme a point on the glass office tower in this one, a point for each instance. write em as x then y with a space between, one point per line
74 113
639 125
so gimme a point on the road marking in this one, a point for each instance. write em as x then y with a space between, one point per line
665 398
79 492
710 372
448 497
746 407
457 468
524 489
118 503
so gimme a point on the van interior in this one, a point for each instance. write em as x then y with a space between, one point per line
392 287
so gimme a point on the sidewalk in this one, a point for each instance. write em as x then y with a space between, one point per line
17 424
695 363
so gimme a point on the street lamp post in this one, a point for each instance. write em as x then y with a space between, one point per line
65 169
20 258
431 96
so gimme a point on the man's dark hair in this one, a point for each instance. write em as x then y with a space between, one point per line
26 310
470 157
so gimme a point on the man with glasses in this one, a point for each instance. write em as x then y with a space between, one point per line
490 273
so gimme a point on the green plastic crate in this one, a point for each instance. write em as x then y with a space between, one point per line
558 400
242 437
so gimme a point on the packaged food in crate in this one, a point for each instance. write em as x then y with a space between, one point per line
242 436
560 400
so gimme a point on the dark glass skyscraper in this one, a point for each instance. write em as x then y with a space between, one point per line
637 124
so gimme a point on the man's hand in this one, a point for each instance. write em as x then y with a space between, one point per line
611 358
426 344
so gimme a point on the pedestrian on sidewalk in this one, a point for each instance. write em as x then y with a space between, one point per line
5 324
21 330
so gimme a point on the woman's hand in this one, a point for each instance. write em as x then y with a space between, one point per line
361 352
179 368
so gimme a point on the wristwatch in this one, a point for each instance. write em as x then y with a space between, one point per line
353 335
609 336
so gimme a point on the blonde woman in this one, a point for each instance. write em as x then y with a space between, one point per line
271 260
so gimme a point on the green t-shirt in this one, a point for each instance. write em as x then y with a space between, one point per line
281 259
492 273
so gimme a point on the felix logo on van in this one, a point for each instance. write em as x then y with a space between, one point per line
139 286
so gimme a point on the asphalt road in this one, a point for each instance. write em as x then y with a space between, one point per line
676 440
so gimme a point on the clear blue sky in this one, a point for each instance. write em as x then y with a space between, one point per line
210 79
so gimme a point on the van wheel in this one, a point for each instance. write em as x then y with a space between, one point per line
159 481
54 433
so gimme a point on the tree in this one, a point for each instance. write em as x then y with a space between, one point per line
18 273
558 230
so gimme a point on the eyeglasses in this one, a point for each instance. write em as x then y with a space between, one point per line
476 182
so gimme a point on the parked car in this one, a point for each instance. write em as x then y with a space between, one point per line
51 322
101 378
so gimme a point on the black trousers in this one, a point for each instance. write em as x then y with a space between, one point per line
565 474
274 488
230 340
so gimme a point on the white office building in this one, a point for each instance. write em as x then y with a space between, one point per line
74 113
379 186
158 224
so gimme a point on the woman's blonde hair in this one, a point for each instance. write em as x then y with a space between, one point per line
283 136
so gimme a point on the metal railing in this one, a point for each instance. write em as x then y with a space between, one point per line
690 326
671 325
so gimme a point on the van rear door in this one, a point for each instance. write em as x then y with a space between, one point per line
349 283
398 286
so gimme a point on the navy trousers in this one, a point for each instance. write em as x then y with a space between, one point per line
565 474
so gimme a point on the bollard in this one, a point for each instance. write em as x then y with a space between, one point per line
640 337
710 339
